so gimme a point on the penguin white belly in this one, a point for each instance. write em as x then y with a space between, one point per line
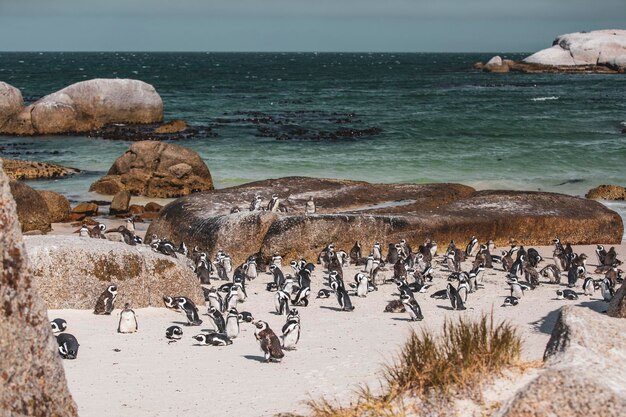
128 323
290 338
361 289
232 328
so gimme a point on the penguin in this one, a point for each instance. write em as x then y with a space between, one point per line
399 270
601 253
533 257
256 204
270 344
355 252
164 247
171 303
215 299
451 262
606 290
517 289
273 204
242 295
182 249
310 206
232 324
573 274
174 333
291 330
566 294
532 276
227 262
412 307
462 291
251 270
58 325
68 346
191 311
406 248
589 286
324 293
279 278
472 247
213 339
130 225
302 297
219 324
281 302
369 264
560 260
288 285
395 306
203 270
362 284
510 301
83 231
106 301
455 299
245 316
440 295
232 299
97 232
128 320
392 254
377 251
553 274
342 297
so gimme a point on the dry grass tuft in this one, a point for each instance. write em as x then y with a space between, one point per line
429 367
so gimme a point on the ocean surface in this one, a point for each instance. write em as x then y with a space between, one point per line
424 118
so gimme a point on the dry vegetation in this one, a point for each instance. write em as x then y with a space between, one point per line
431 368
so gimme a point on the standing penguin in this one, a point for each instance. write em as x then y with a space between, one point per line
455 299
106 301
232 324
273 205
412 307
342 297
355 253
190 310
83 231
281 302
310 206
68 346
573 274
291 330
270 344
472 247
279 278
377 251
362 284
589 286
128 320
218 320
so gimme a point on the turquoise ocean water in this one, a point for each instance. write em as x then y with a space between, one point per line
439 119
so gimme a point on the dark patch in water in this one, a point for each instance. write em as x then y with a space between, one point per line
574 181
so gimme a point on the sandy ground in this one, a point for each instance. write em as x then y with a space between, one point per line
142 375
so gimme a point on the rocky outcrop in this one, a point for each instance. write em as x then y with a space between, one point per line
598 47
85 106
585 371
32 210
32 377
350 210
29 170
617 306
11 102
607 192
58 206
174 126
120 203
71 272
156 169
598 51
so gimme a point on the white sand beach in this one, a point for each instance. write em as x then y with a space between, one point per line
142 375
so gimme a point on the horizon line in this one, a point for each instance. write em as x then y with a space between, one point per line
262 52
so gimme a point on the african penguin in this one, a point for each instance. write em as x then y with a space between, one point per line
269 342
106 301
128 320
174 333
68 346
58 325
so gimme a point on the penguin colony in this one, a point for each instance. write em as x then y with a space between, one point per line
412 274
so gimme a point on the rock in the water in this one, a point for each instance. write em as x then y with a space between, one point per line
86 106
598 47
71 272
496 60
496 64
88 209
33 380
11 102
32 210
29 170
607 192
58 206
120 203
174 126
585 370
156 169
348 211
617 306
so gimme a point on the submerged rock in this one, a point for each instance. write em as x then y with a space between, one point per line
86 106
33 380
348 211
32 210
156 169
29 170
585 371
607 192
71 272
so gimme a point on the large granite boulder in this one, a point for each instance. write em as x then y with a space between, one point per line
349 211
32 377
29 170
598 47
71 272
617 306
607 192
32 210
585 370
156 169
11 102
58 206
86 106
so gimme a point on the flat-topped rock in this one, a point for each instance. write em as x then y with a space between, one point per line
32 377
585 370
85 106
607 192
71 272
29 170
156 169
348 211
